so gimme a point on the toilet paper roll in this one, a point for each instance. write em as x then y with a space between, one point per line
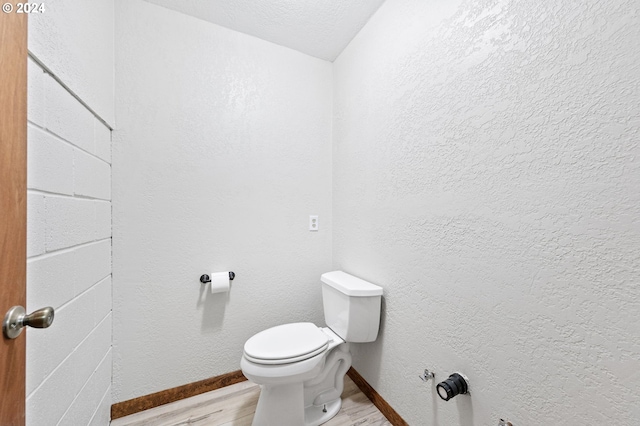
220 282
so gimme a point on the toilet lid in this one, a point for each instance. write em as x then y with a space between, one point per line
286 343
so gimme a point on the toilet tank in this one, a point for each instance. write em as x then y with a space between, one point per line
351 306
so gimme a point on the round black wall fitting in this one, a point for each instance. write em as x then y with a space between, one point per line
454 385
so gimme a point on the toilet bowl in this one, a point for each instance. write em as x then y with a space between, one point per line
292 378
300 367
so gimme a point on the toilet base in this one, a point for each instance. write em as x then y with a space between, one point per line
314 415
285 399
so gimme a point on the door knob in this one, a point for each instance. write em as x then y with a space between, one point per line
16 319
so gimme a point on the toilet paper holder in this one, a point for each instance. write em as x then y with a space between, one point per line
204 278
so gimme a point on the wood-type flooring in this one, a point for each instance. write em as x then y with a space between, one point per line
235 405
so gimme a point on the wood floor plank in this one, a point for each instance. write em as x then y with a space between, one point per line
235 406
219 403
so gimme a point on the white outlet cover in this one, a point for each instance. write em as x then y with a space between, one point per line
313 223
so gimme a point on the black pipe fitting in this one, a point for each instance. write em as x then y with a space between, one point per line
454 385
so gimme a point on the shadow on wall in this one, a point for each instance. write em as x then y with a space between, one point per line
213 306
374 350
435 399
465 408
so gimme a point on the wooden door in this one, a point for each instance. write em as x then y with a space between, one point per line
13 207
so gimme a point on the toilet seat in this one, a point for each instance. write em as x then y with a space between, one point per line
286 343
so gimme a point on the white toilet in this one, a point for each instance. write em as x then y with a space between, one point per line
301 366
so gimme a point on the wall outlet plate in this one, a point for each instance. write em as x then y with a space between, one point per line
313 223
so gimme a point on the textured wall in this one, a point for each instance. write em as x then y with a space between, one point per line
74 39
222 152
69 257
487 174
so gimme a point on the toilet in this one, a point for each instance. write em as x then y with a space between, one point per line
300 367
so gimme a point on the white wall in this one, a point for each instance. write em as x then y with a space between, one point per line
69 257
74 39
69 220
486 173
221 153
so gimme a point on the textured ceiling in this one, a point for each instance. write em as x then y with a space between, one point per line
320 28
